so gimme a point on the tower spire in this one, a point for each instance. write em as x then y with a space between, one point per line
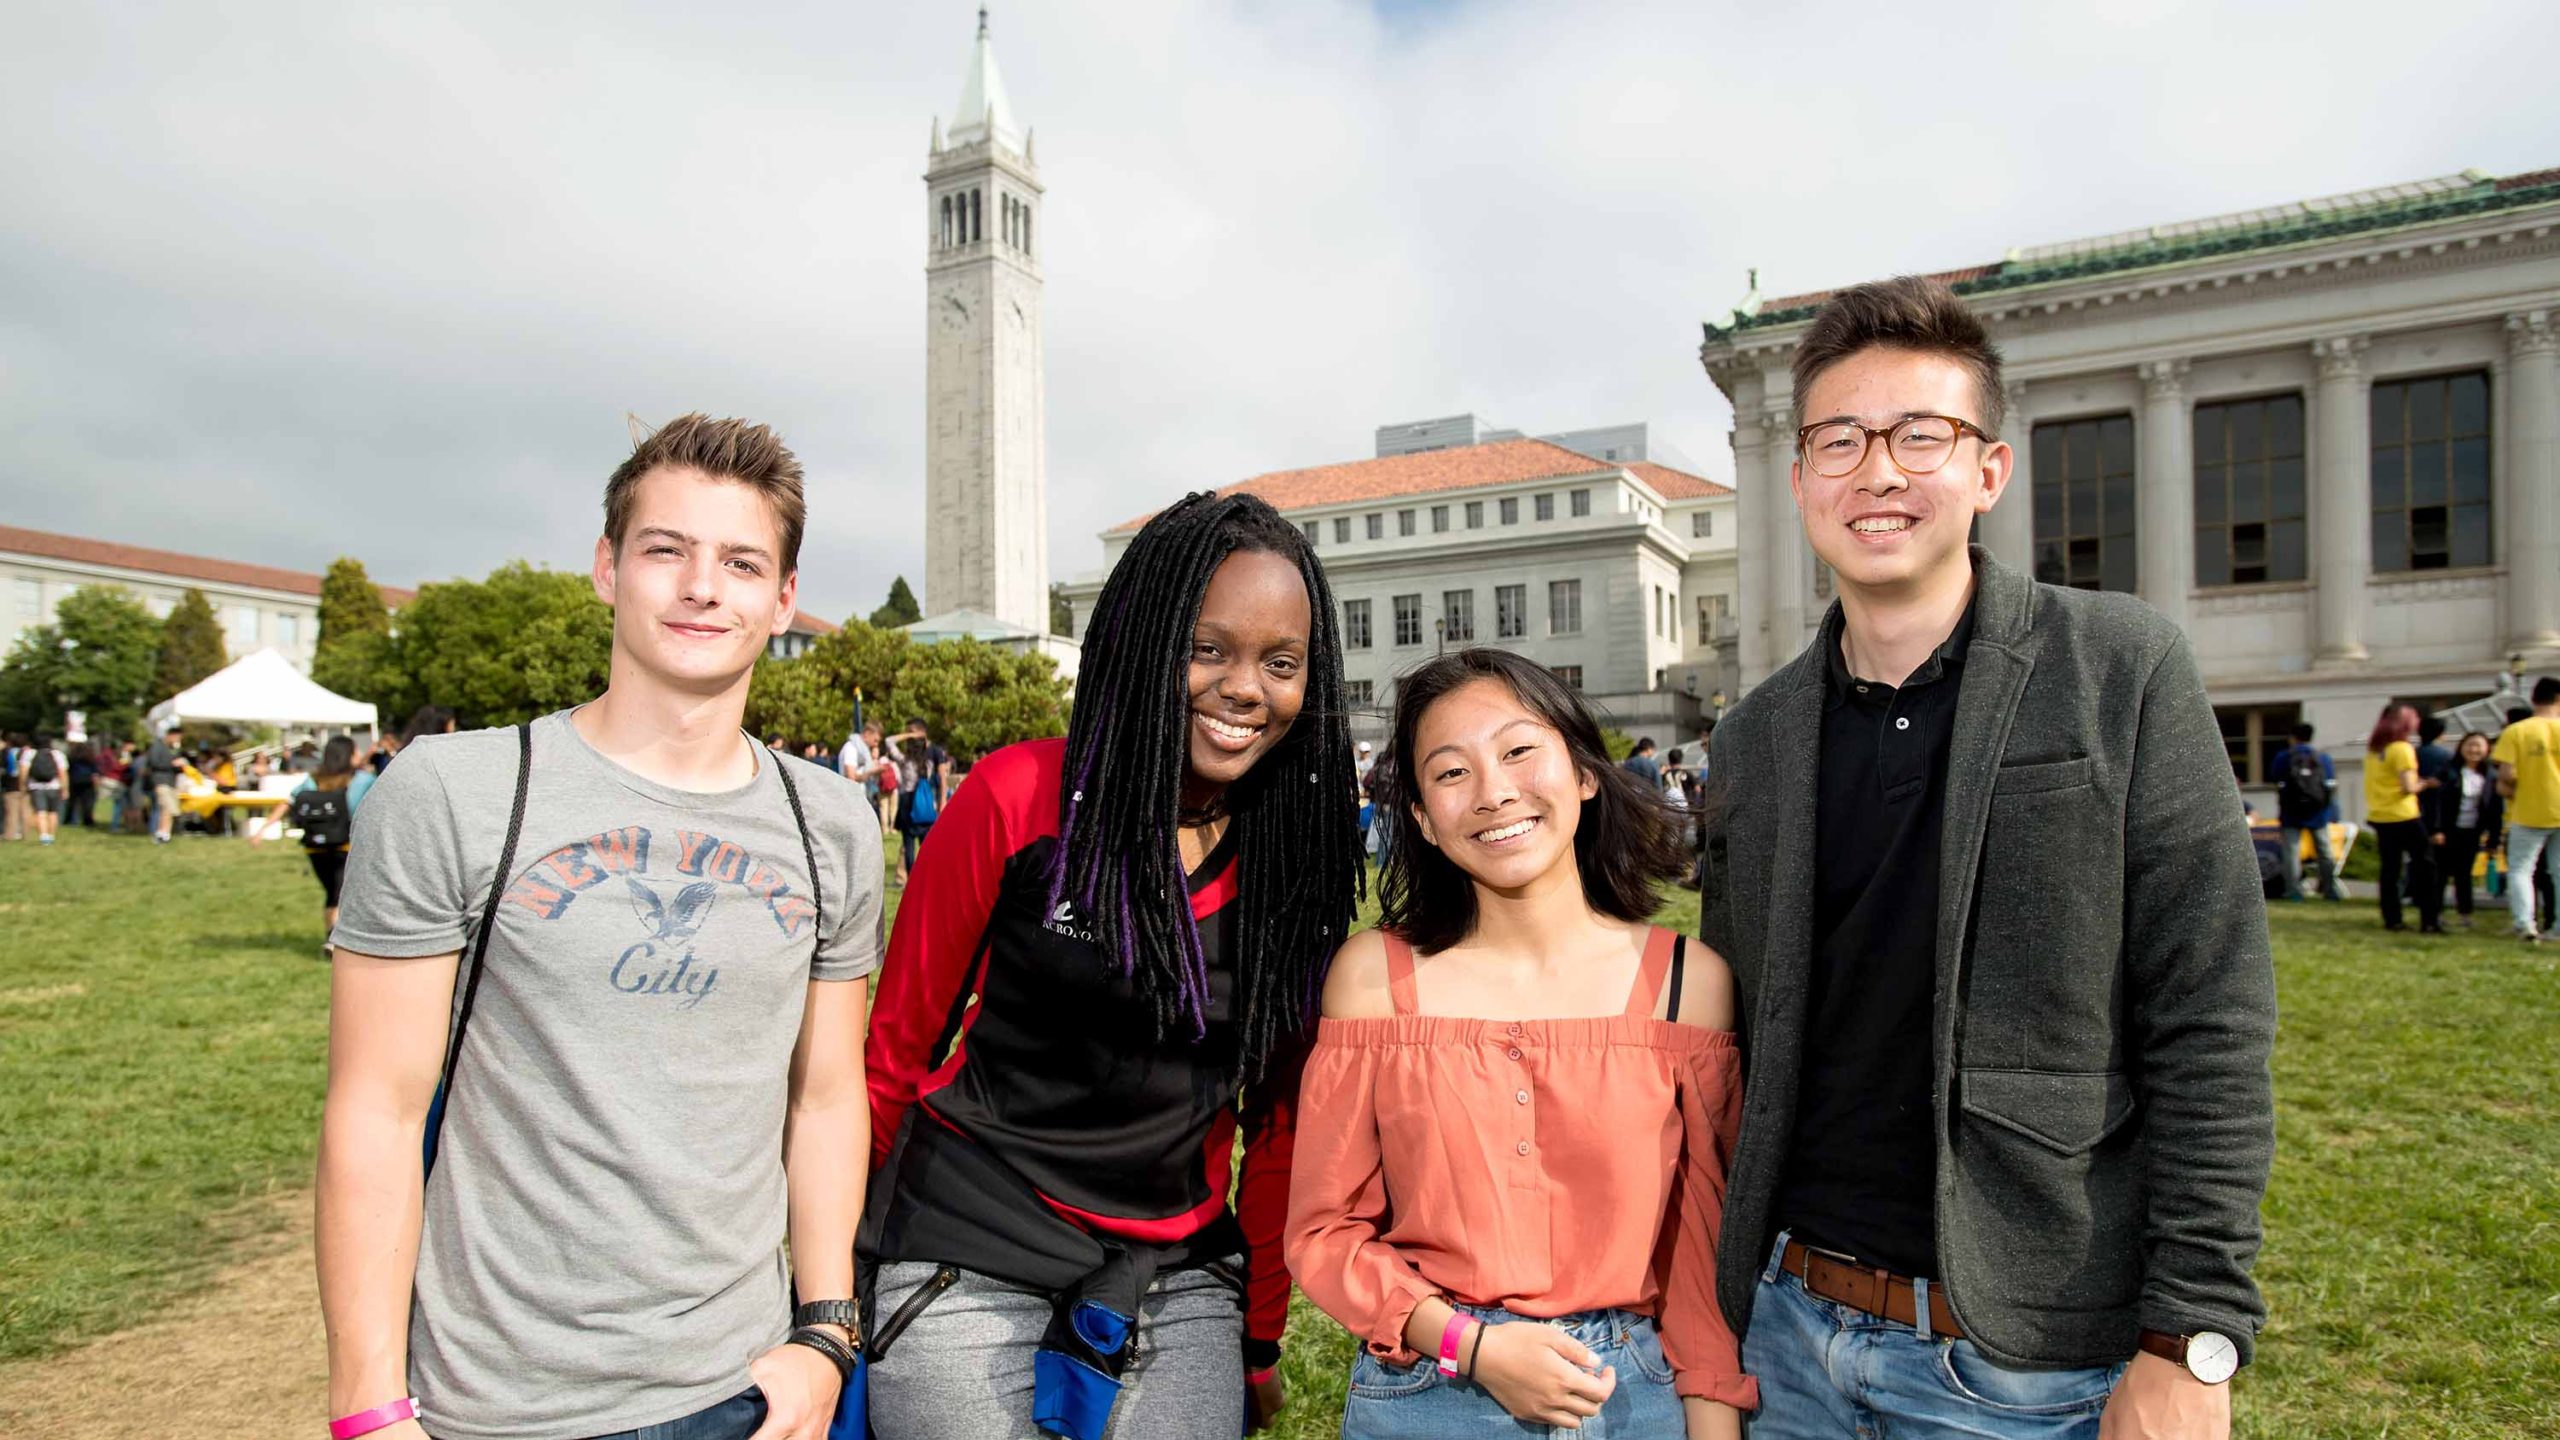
984 113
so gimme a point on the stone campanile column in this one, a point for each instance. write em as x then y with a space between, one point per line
2165 546
2533 481
1789 564
1751 504
2341 499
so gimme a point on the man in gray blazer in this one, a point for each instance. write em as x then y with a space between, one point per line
1977 861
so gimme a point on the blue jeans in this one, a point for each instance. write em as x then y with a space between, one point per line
735 1418
1827 1371
1417 1402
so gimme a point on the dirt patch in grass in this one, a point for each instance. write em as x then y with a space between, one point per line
242 1359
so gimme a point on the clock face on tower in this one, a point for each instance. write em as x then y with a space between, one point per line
951 314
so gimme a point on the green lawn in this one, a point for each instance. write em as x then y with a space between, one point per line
161 1032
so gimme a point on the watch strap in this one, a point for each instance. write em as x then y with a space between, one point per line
837 1352
847 1313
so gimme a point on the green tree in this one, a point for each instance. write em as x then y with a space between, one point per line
354 655
900 609
521 643
190 646
811 697
97 657
977 697
1062 616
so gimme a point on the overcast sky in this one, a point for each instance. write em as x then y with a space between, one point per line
283 281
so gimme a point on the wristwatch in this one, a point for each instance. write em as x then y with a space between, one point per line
847 1313
2208 1356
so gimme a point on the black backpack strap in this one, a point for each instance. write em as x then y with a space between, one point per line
808 852
480 941
1671 995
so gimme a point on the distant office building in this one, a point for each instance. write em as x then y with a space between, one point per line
1619 575
2324 438
1633 441
259 606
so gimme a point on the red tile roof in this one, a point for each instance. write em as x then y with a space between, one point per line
804 623
1390 477
14 541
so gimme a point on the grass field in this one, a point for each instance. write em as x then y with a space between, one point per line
161 1032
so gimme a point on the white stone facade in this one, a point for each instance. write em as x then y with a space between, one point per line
257 608
2455 281
986 480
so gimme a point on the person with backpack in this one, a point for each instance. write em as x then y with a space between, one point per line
924 783
47 770
616 1194
2307 803
13 788
324 810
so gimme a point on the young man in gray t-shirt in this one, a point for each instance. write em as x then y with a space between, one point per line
661 1079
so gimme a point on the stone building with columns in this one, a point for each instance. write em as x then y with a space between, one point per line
2323 437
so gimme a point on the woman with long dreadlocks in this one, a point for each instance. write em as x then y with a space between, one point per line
1142 914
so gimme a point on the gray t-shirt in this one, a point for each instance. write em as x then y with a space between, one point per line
603 1238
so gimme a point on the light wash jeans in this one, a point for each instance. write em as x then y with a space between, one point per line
1417 1402
2321 847
1827 1371
735 1418
2525 844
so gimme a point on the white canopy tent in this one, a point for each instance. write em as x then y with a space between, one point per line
263 689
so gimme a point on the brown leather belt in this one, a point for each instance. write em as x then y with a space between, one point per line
1865 1288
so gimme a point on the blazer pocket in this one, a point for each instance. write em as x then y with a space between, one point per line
2067 1112
2043 775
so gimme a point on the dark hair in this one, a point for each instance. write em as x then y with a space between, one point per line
740 452
337 764
1642 745
1908 312
1626 842
2430 729
2302 734
425 720
1300 864
2519 712
1674 757
2546 691
2397 722
2484 762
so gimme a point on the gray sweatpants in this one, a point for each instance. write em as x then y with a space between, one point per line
962 1369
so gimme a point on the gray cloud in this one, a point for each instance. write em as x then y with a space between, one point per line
283 281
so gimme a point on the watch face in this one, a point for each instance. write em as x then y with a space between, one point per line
2212 1358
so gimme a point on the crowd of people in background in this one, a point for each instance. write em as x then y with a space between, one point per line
2436 809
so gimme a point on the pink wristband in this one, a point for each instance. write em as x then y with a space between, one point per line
1257 1377
365 1422
1450 1335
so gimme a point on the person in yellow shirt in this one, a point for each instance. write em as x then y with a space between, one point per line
2391 787
2528 759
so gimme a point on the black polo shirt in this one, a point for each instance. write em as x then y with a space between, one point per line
1861 1169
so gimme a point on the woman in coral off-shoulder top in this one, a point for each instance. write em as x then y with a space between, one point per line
1513 1129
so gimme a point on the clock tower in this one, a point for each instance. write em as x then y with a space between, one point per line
986 532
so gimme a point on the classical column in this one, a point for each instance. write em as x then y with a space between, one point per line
2009 531
1790 572
1751 505
2533 481
2165 479
2341 500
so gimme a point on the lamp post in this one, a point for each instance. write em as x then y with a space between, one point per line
1440 635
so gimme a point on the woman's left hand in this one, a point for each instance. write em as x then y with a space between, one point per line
1264 1400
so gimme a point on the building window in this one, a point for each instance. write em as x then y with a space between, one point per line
1408 619
1712 608
1355 624
1511 510
1581 503
1657 610
2249 486
1311 527
2253 735
30 604
1702 525
1377 527
1564 607
2084 503
1439 518
977 216
1341 529
288 631
1458 613
1362 693
1475 514
1571 675
1404 522
1546 507
2431 473
1510 611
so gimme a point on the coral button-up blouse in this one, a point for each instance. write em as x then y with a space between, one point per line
1545 1166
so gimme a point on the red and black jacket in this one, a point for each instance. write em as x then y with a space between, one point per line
1001 1024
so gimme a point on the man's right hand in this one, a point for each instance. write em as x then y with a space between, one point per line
1541 1375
